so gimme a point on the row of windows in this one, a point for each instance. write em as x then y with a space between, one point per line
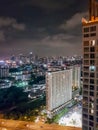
91 100
86 87
85 127
88 128
90 75
90 116
92 81
90 29
87 49
90 86
89 43
90 93
90 35
90 62
89 55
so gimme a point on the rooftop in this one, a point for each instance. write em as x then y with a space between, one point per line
14 125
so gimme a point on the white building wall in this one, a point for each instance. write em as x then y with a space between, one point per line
76 70
59 88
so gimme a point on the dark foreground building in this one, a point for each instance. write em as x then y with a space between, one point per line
90 68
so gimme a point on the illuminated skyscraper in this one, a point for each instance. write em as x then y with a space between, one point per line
90 68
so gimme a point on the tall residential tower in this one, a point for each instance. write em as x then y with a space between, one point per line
58 89
90 68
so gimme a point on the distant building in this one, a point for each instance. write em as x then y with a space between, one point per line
20 73
4 69
23 58
76 77
76 73
5 84
15 73
30 57
58 89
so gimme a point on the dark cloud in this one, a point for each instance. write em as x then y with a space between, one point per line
47 27
74 21
11 22
9 27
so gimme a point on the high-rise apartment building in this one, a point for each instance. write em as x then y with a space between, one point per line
76 77
4 70
76 74
90 68
58 89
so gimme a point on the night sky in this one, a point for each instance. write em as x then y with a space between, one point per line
45 27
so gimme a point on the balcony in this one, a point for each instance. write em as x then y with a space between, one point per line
92 75
91 123
86 56
92 49
85 110
85 104
97 126
85 122
86 62
86 81
91 117
86 74
92 56
85 93
92 87
85 87
92 81
85 116
86 43
86 49
97 100
91 111
97 113
86 69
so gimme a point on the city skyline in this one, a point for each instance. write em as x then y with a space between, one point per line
46 28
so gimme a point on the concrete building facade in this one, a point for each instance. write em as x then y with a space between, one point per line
76 77
90 69
58 89
76 74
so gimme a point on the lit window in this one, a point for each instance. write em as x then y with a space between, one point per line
49 73
92 105
92 68
92 111
92 42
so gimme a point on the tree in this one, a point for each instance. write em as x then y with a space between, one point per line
12 96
